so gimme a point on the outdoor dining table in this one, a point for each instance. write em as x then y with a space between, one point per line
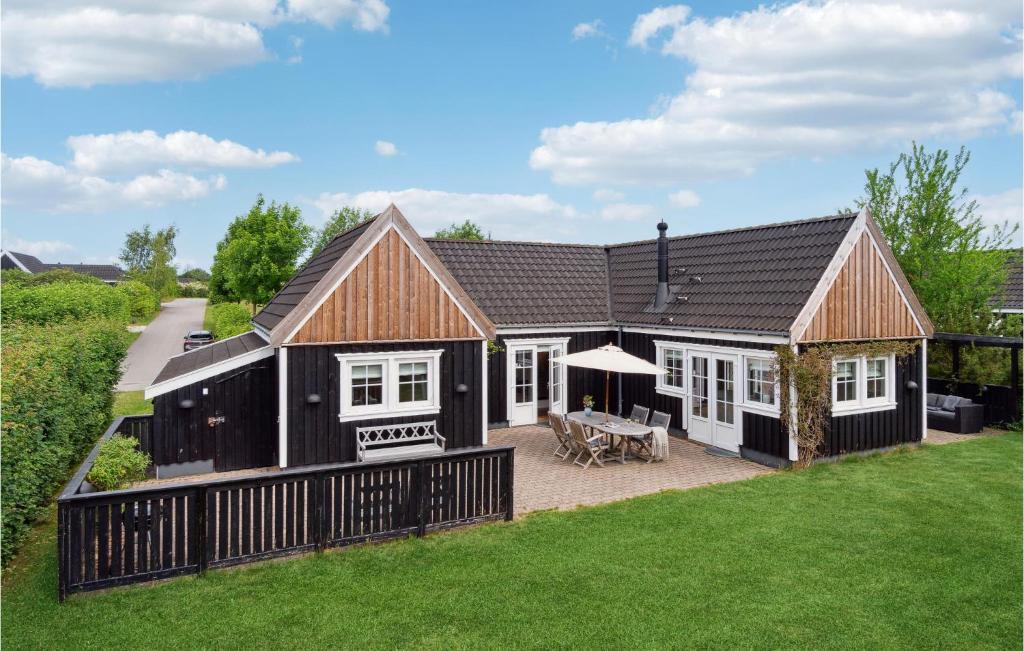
631 435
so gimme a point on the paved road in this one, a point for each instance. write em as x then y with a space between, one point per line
161 339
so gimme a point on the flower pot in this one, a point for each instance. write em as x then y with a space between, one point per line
589 411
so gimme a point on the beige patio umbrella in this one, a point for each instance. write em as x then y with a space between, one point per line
610 359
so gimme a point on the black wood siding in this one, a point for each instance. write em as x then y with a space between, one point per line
578 381
640 389
881 429
244 397
315 434
765 434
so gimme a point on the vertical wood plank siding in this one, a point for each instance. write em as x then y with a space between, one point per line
578 381
247 438
390 295
864 302
765 434
882 429
121 537
640 389
315 434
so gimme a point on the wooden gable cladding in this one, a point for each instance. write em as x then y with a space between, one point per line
389 296
864 302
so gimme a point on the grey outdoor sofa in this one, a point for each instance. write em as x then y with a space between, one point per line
954 414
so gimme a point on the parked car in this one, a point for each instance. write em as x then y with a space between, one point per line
197 338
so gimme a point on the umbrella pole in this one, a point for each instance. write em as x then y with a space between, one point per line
607 376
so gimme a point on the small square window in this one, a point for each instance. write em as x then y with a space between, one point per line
846 381
761 381
876 377
367 384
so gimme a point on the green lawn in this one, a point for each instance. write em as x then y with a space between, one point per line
130 403
913 549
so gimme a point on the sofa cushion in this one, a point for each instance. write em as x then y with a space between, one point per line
936 416
950 403
935 400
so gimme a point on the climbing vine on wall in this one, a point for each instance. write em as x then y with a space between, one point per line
810 372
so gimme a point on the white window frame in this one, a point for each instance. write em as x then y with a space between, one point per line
756 405
661 386
863 404
389 405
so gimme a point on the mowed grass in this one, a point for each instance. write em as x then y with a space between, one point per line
915 549
131 403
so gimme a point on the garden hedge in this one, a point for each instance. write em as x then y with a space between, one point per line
64 301
56 392
228 319
143 302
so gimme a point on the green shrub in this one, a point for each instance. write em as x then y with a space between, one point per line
60 276
118 464
55 392
193 291
64 301
143 302
228 319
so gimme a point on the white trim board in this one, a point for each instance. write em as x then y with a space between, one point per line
16 261
207 372
282 408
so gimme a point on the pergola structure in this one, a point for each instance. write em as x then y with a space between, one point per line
1010 404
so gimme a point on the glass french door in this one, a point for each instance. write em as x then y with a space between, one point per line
524 385
711 405
556 374
700 427
725 431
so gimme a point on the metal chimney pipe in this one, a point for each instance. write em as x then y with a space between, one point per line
661 297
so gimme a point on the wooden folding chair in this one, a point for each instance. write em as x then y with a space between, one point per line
565 442
592 448
640 414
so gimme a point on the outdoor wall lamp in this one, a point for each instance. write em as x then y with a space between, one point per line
911 385
313 399
187 404
462 388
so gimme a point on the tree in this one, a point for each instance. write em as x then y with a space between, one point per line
953 261
198 275
147 257
467 230
257 255
342 220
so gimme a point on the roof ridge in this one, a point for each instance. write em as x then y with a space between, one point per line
530 242
742 229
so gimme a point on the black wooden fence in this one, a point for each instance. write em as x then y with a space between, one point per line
129 536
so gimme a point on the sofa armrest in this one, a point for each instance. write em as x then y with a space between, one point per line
970 418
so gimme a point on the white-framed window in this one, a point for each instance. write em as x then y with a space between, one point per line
392 383
673 360
863 384
761 388
699 387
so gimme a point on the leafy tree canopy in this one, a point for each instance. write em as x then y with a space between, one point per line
953 260
467 230
257 255
342 220
196 274
147 257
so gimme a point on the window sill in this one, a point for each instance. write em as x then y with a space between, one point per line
389 413
862 409
671 391
761 408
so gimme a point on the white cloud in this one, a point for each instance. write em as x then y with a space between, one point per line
506 216
1003 207
132 150
808 79
588 30
607 196
34 183
38 248
648 25
83 43
385 148
628 212
685 199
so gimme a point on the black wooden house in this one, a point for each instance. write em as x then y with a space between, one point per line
383 326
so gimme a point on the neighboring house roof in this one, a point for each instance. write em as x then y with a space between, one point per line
106 272
1011 294
530 283
755 279
23 261
205 362
306 278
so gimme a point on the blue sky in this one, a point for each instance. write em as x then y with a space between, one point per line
568 121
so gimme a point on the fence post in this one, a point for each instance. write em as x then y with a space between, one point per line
510 467
201 536
421 498
62 549
319 492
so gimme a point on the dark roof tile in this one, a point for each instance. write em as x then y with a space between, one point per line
210 354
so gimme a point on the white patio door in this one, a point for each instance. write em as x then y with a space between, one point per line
557 378
700 427
724 408
523 385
